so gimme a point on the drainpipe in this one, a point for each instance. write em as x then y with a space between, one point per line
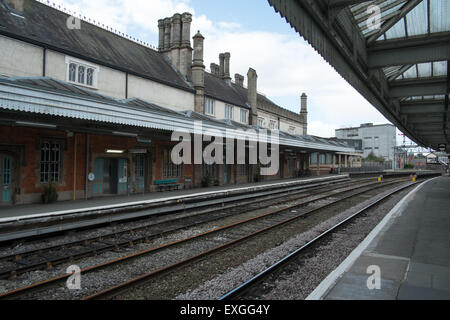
87 168
74 166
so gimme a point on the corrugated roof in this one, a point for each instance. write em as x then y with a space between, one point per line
55 98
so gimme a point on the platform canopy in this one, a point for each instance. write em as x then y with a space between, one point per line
394 52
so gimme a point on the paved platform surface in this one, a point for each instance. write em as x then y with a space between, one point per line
36 209
411 248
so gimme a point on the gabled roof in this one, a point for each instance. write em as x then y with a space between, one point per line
217 88
47 27
234 94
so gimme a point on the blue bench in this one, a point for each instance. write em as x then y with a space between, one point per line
167 184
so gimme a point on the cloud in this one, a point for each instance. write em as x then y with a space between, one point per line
124 15
286 65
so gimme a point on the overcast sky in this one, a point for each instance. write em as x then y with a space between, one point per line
257 37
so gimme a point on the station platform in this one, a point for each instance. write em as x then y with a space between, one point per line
409 250
20 212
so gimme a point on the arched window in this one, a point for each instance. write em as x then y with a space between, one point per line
90 77
81 73
72 72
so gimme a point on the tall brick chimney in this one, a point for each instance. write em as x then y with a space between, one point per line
252 97
304 113
175 43
198 73
239 79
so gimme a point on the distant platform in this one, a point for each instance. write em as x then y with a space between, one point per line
410 247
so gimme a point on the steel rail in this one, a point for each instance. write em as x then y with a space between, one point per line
106 215
257 278
49 263
38 285
123 287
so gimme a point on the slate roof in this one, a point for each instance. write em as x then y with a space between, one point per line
236 95
46 26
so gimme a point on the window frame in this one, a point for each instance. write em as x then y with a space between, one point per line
209 103
244 114
229 112
48 162
273 124
169 169
89 75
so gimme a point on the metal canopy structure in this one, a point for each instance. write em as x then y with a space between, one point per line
394 52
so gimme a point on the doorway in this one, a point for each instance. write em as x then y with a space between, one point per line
6 178
111 176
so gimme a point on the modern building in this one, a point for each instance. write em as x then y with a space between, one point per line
94 111
377 139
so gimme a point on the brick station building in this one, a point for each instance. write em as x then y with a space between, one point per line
94 111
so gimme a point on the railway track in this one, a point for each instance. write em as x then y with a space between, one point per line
228 235
257 283
49 256
99 217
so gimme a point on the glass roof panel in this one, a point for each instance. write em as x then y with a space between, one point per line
410 73
417 20
397 31
439 15
424 69
440 68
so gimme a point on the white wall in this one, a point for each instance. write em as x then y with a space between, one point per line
20 59
160 94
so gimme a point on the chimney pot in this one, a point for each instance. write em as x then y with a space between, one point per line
222 64
239 79
252 92
226 67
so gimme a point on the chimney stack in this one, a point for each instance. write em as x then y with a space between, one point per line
16 5
215 69
226 68
222 65
175 42
161 34
167 30
239 79
304 113
252 79
198 73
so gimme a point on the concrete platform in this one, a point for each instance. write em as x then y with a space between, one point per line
14 212
411 248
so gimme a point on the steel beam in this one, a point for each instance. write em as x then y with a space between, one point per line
409 51
422 108
426 120
418 87
343 3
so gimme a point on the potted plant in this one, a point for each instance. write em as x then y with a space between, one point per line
49 195
206 181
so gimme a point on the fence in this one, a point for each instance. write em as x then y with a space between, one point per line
370 167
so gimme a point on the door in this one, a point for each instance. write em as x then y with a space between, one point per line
140 172
122 176
98 172
6 178
112 177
